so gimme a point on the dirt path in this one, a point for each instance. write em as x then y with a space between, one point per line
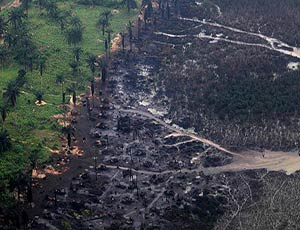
14 4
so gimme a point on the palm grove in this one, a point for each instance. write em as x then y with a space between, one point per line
17 45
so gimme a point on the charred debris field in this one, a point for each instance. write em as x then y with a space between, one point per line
154 115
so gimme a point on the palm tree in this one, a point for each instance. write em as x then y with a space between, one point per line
5 141
107 14
74 67
103 70
52 10
42 66
92 86
168 11
3 25
4 53
11 92
77 51
123 41
60 79
91 61
21 78
109 32
75 22
74 97
39 96
69 131
130 34
3 111
74 35
103 23
61 18
93 90
105 47
139 28
15 17
25 5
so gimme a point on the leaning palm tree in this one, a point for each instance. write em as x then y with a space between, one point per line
5 141
11 92
91 62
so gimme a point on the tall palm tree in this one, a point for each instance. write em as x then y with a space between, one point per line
103 23
11 92
106 47
93 86
69 131
21 78
74 66
5 141
60 79
3 111
109 32
77 52
74 98
139 28
107 14
42 66
4 53
123 41
130 34
91 62
103 70
3 25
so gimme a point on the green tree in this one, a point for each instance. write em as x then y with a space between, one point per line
60 79
42 66
77 51
5 141
91 62
15 17
11 92
102 23
3 111
74 35
3 26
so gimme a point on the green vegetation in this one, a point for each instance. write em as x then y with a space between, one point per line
39 44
